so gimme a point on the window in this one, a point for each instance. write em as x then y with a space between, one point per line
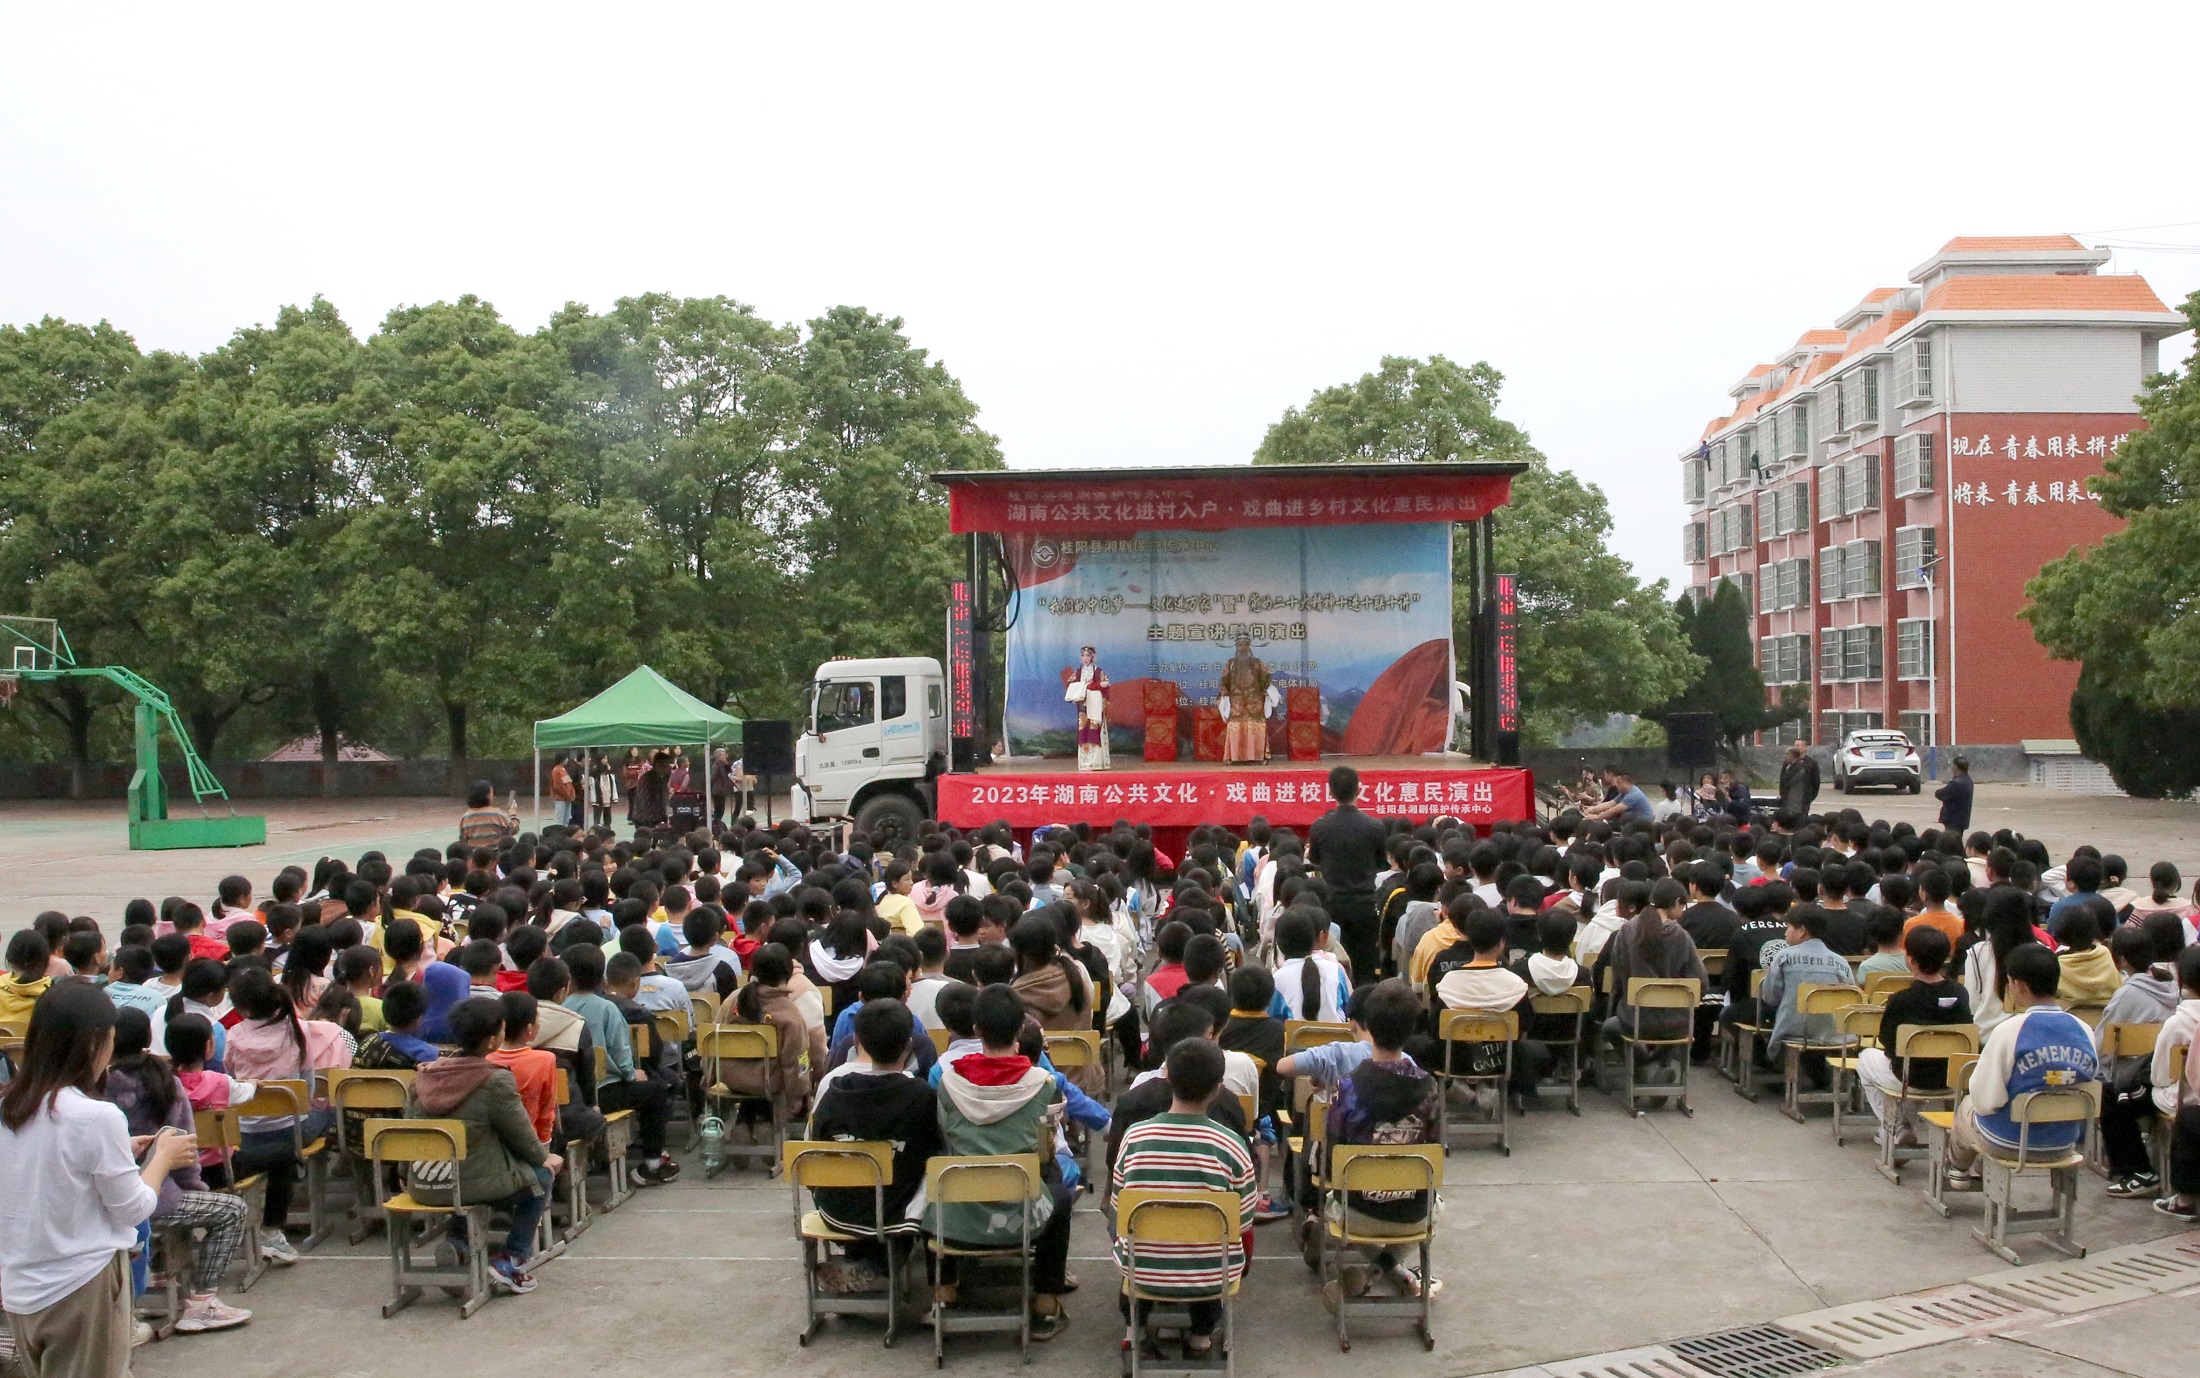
1784 659
1799 506
1798 430
935 702
1913 648
1830 642
1739 516
1829 412
1913 373
1832 574
1918 727
1913 556
842 704
1768 512
1834 728
1744 583
1870 380
1694 472
1860 654
1829 493
1860 485
1913 465
1783 584
1692 543
1794 730
1860 569
893 697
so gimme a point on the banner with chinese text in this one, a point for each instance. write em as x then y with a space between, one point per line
1166 798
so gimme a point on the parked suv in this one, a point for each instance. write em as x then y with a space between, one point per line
1877 757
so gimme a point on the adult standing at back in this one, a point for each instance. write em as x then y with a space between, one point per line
1347 846
1955 797
1798 781
75 1193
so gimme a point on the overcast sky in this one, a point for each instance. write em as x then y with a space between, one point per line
1135 234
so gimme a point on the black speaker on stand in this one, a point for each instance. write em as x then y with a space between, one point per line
767 750
1692 741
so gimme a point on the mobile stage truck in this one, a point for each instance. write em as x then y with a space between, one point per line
1339 576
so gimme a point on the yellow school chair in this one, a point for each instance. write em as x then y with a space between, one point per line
1815 999
727 1045
1659 993
1459 1032
1881 984
406 1143
1179 1222
2080 1105
703 1007
1000 1180
1861 1023
1575 1002
940 1039
2118 1041
1919 1043
860 1165
1356 1168
1301 1034
1940 1128
218 1130
1740 1038
357 1096
295 1100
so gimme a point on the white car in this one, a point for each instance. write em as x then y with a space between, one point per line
1877 757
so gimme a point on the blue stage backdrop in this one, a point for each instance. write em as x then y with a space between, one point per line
1362 612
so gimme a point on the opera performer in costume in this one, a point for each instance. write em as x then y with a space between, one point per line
1244 704
1087 687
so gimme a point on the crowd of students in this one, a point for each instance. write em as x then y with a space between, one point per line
485 968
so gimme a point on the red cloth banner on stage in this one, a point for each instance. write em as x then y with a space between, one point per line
1187 798
1095 506
1207 733
1306 740
1303 703
1161 736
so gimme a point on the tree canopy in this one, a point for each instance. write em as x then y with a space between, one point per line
2128 609
1594 639
431 536
1730 688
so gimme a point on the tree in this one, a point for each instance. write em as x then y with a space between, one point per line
2125 609
1730 687
1594 640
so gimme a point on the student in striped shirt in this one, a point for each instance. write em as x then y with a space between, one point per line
1183 1149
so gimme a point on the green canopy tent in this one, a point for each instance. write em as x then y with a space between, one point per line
644 709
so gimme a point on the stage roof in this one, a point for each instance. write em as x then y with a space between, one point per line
1120 502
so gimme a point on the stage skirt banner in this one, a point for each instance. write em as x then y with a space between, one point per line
1189 798
1361 613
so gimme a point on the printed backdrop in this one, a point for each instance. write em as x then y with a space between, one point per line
1362 612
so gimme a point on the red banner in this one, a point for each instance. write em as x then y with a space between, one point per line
1189 798
1094 505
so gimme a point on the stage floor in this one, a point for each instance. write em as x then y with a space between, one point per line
1129 765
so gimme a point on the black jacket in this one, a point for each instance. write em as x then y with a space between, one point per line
873 1106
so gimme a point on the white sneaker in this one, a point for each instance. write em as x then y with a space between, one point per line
277 1248
211 1314
141 1333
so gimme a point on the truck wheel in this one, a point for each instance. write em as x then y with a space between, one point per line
890 818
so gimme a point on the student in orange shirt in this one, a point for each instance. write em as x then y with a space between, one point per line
533 1069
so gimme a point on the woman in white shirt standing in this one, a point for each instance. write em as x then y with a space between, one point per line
76 1193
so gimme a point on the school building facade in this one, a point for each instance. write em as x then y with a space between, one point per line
1883 489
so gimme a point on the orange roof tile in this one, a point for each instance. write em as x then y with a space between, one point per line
1990 244
2043 292
1758 372
1879 330
1879 294
1816 337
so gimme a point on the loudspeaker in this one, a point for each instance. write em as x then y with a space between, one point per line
767 746
1691 739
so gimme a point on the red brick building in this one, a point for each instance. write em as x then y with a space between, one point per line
1883 490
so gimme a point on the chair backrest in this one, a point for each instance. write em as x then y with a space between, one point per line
644 1039
1079 1048
1184 1218
281 1098
940 1039
703 1006
1881 984
1937 1040
2089 1013
738 1042
1478 1026
1664 992
1860 1022
217 1129
564 1084
1574 1000
1386 1167
1960 1068
2129 1040
825 998
1816 997
1249 1107
14 1033
1604 980
1301 1034
1713 959
997 1178
832 1163
416 1141
1757 984
2057 1104
670 1026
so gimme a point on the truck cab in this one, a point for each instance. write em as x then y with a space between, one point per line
875 739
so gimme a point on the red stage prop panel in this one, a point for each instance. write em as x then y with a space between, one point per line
1096 505
1169 799
1303 703
1207 733
1161 724
1305 739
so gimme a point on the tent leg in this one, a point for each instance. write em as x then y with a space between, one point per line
709 766
538 789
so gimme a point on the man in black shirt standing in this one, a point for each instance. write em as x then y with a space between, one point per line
1346 846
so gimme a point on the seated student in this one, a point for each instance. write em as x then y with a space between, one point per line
1889 957
932 977
481 960
1652 944
534 1071
624 1086
1329 1063
130 981
143 1087
2038 1047
1549 970
1206 961
1484 983
399 1047
992 1102
1168 975
875 1100
2179 1103
2127 1105
247 938
705 963
880 980
655 991
957 1009
1183 1149
1310 984
768 998
270 1043
506 1163
190 920
1253 1031
964 916
28 957
84 952
1709 922
359 973
1935 890
2088 968
1386 1099
1932 997
1805 960
1422 913
1447 933
622 985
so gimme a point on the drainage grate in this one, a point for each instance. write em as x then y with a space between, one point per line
1892 1325
1651 1361
1764 1351
2104 1279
